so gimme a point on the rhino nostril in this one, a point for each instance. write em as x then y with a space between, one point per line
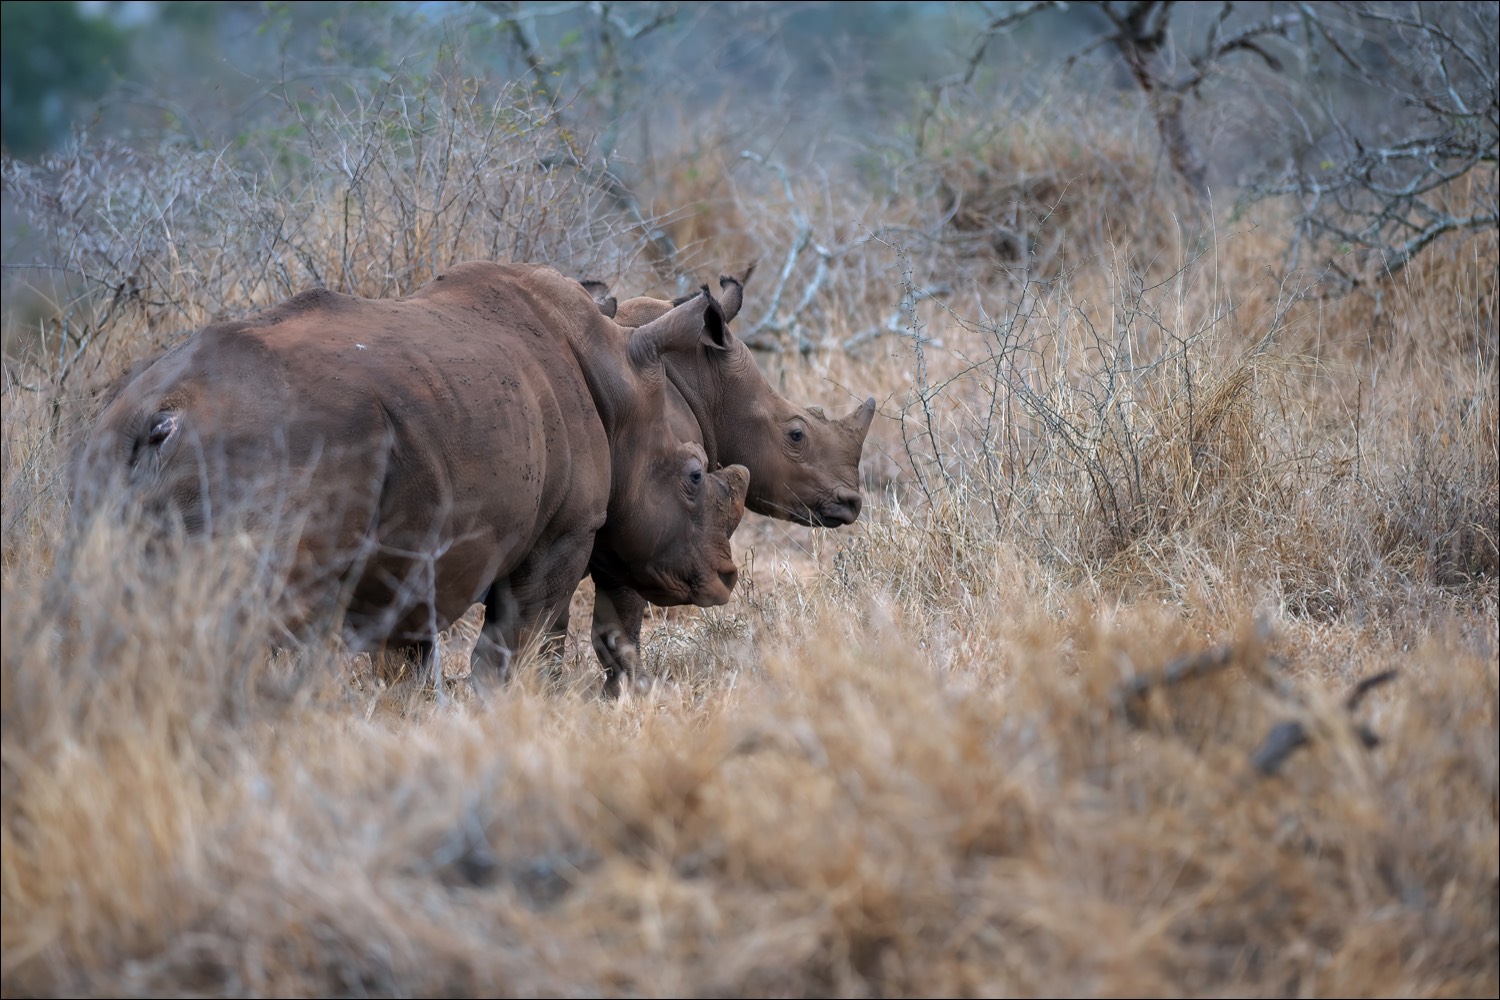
729 577
844 508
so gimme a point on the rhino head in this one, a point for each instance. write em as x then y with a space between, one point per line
803 464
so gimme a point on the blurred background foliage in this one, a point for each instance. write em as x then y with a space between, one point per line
55 62
216 75
1262 86
1359 111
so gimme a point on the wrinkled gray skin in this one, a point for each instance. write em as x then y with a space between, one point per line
474 441
803 465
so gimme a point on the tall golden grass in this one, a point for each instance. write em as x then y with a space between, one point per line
1132 517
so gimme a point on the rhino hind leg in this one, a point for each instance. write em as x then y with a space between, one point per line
496 644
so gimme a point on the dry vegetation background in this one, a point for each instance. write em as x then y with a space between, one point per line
1084 704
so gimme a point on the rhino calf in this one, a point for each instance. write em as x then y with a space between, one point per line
471 442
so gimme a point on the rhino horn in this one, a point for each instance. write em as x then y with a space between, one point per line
859 420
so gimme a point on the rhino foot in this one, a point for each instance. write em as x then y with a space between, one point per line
621 661
491 658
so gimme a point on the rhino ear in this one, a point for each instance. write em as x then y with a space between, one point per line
734 295
681 329
702 290
599 291
716 335
715 325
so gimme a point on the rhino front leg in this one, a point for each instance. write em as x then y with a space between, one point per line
618 613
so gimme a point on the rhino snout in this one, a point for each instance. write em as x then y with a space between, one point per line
735 483
841 509
729 575
738 478
714 589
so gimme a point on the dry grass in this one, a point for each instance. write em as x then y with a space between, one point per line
941 752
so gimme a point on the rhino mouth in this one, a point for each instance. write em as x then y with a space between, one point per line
712 591
835 519
833 513
708 589
728 577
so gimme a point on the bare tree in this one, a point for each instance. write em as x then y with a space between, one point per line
1140 32
1374 195
1397 104
620 29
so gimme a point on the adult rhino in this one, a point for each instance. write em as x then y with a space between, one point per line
803 465
472 442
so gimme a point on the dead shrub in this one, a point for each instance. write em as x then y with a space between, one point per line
1044 189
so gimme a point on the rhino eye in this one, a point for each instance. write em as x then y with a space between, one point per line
162 426
795 435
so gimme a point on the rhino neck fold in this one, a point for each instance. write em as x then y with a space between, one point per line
606 372
724 388
705 406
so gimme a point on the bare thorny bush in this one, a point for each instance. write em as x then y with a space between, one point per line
1107 418
1381 120
1033 185
373 200
1142 405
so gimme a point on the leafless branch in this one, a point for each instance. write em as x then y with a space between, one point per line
761 335
1285 738
1140 32
521 23
999 26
